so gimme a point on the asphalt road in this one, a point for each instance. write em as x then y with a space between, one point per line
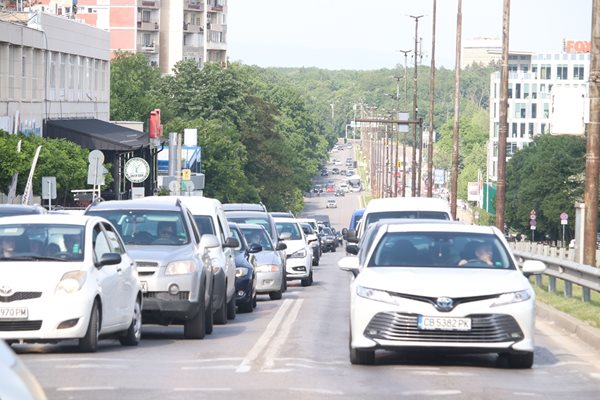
297 348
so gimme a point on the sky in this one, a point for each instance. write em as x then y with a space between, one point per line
369 34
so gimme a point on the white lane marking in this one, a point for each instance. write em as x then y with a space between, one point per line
209 367
202 389
441 373
319 391
84 366
279 340
211 363
84 388
527 394
212 360
308 360
309 366
430 392
265 338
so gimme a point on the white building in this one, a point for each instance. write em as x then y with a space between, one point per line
539 87
51 68
480 51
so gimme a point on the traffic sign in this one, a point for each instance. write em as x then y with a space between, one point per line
564 216
532 215
532 222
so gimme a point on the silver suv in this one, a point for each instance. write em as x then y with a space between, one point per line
177 277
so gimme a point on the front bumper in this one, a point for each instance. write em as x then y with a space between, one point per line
244 290
375 324
267 282
298 268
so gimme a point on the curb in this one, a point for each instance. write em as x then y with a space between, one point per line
571 325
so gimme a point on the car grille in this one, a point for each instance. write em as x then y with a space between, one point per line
485 328
147 268
11 326
167 296
20 296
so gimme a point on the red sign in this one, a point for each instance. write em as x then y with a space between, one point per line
577 46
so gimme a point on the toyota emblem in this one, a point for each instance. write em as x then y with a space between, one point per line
5 291
444 303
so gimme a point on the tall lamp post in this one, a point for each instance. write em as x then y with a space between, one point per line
405 133
415 108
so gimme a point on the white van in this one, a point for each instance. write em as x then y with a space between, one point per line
404 207
210 218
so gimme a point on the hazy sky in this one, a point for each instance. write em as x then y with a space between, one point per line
368 34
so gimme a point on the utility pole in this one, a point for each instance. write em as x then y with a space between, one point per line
415 109
454 180
395 179
431 98
593 145
503 120
405 133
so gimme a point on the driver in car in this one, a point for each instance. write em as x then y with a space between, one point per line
483 254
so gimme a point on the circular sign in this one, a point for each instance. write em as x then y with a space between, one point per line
564 216
96 156
532 222
137 170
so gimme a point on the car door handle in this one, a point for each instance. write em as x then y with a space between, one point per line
119 269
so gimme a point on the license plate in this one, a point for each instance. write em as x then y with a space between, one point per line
444 323
14 313
144 286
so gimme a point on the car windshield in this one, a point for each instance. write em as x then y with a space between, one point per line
241 247
289 227
148 227
251 220
40 242
258 236
440 249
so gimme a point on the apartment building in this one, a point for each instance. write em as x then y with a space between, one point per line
51 68
540 86
480 50
165 31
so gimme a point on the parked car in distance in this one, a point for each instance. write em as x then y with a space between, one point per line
177 278
270 270
245 271
328 239
16 380
331 203
441 286
313 241
86 284
7 210
298 252
210 219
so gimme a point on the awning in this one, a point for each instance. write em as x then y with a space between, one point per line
95 134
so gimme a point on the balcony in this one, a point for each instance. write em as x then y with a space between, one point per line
188 27
147 48
147 26
148 4
195 5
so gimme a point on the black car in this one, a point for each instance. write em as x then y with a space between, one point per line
245 271
324 172
329 241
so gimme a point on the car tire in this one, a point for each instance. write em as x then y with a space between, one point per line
307 281
220 316
254 302
89 343
522 360
133 335
231 306
276 295
195 327
208 318
246 307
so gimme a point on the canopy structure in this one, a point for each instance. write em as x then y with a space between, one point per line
96 134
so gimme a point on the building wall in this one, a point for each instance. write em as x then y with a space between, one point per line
530 108
480 51
51 68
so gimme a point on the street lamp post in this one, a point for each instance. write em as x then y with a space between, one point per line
405 133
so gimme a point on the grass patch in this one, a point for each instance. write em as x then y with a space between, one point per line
574 306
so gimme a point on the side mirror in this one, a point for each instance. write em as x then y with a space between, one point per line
351 236
281 246
349 264
533 267
344 232
352 249
285 236
209 241
254 248
109 259
231 242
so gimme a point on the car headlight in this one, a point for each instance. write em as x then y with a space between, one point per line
180 267
268 268
374 294
512 297
71 282
298 254
241 271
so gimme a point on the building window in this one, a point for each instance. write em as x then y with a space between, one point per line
530 131
495 109
545 71
534 91
72 71
53 62
63 73
495 90
518 91
533 110
578 72
146 15
522 130
543 130
513 132
12 67
510 90
546 110
520 110
562 72
496 129
526 91
24 76
495 149
534 70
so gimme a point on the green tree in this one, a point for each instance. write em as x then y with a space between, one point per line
546 176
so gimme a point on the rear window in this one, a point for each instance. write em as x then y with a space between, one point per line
376 216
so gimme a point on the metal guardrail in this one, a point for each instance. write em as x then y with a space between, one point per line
567 270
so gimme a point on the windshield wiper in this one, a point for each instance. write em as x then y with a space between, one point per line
32 258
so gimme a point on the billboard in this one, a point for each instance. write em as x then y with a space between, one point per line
569 111
473 192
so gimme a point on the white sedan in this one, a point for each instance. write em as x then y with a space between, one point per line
440 286
67 277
